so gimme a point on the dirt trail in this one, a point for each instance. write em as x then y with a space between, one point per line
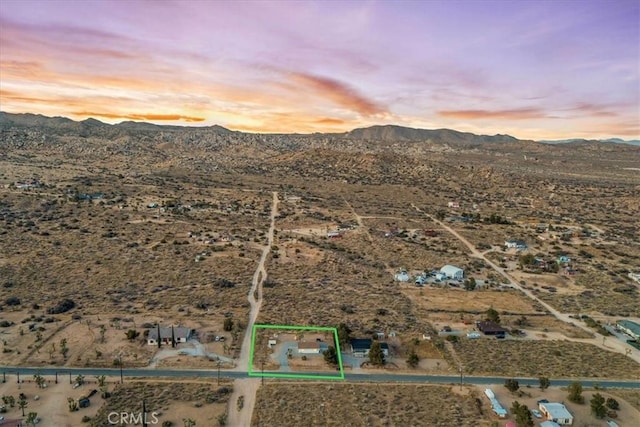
247 387
611 344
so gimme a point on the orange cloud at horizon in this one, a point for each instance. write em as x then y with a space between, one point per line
158 117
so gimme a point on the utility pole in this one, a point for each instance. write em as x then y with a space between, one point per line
218 371
120 360
460 377
56 377
144 414
18 372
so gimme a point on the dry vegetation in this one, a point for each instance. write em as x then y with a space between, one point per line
555 359
172 401
368 405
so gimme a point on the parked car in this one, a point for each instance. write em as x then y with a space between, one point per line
536 413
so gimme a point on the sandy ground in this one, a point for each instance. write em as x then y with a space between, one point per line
248 387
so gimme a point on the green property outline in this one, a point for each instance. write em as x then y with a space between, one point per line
298 376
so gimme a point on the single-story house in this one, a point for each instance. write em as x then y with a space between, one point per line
491 328
495 405
310 347
630 328
360 347
453 204
334 234
517 244
556 412
452 272
180 333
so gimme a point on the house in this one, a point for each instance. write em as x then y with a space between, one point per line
452 272
556 412
491 328
311 347
380 335
495 405
453 204
402 276
360 347
516 244
180 333
335 234
630 328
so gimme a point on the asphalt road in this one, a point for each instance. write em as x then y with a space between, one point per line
63 373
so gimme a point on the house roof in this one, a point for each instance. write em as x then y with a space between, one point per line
488 326
549 424
310 345
632 326
450 269
556 410
365 344
165 332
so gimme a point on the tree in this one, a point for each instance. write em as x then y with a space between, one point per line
470 284
575 392
31 418
52 349
102 379
64 350
544 383
9 400
344 335
523 415
80 379
512 385
103 330
228 324
22 402
132 334
331 356
188 422
73 405
376 356
39 379
613 404
598 409
413 359
493 315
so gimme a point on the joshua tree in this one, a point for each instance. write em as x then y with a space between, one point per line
39 379
22 402
64 350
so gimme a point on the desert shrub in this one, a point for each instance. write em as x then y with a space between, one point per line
12 301
62 307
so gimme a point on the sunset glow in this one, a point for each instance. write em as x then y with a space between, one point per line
532 69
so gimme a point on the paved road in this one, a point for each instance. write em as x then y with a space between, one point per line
63 373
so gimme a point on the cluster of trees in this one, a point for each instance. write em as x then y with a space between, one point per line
523 414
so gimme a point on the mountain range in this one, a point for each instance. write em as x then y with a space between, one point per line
382 133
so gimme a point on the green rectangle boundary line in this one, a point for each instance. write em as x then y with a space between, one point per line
252 373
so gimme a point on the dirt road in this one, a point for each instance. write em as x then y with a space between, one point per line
247 387
612 344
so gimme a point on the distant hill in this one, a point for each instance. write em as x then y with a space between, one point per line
400 133
578 140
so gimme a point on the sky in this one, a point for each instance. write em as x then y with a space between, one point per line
532 69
